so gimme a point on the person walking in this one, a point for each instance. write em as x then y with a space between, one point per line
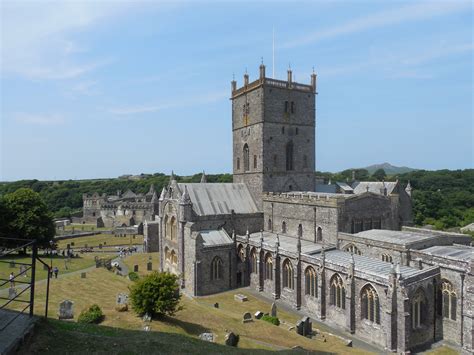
56 271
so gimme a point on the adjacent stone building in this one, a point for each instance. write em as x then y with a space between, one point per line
343 253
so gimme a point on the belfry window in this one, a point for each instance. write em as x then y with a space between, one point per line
286 106
293 108
246 158
289 156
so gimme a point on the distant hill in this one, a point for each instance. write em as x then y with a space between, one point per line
389 169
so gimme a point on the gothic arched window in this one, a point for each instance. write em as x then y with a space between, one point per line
449 300
288 281
173 228
283 227
319 234
253 261
173 258
418 308
337 293
217 268
300 231
246 158
289 156
351 248
370 304
241 253
269 224
167 227
311 285
268 274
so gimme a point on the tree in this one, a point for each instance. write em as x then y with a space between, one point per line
29 217
156 294
379 174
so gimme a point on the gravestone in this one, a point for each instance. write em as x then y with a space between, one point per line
273 312
72 243
135 268
304 326
83 275
149 266
11 293
207 337
247 317
121 302
66 310
216 305
231 339
258 315
146 318
241 298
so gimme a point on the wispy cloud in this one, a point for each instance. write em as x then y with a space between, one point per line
190 101
36 119
409 13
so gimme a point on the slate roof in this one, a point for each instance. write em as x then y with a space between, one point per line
374 186
215 237
367 265
220 198
344 187
326 188
454 252
286 243
395 237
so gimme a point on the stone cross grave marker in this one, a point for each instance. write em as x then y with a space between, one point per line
273 312
247 317
66 310
207 337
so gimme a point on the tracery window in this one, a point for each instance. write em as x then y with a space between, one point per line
217 268
173 228
337 292
253 261
351 248
311 282
268 271
288 280
370 304
246 158
417 308
387 258
448 299
173 258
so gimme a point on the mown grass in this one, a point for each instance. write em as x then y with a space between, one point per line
106 240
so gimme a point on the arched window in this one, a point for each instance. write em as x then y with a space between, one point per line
241 253
319 234
217 269
311 284
289 156
238 163
288 281
269 225
253 261
283 227
255 162
268 271
173 258
418 308
300 231
167 254
173 228
337 293
387 258
370 304
246 158
167 227
449 300
351 248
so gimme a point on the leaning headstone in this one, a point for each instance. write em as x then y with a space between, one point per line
66 310
300 327
241 298
273 312
83 275
231 339
149 266
216 305
258 315
135 268
11 293
207 337
304 326
247 317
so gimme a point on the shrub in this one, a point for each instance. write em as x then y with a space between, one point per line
133 276
156 294
270 319
93 314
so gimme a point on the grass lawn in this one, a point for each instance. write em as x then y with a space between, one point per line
141 260
95 240
101 287
79 227
443 350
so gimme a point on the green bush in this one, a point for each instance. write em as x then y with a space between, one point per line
156 294
93 314
270 319
133 276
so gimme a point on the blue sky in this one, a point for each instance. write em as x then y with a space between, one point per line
104 88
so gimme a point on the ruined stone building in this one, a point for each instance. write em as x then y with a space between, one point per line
120 210
344 253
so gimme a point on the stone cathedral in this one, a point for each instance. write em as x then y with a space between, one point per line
344 253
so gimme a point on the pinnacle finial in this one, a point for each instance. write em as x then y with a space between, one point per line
261 60
313 69
233 76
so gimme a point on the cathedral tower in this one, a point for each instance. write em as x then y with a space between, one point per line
273 128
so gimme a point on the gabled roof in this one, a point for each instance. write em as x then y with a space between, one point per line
374 186
455 252
220 198
215 237
129 194
326 188
344 187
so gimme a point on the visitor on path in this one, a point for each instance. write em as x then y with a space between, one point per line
56 271
12 280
